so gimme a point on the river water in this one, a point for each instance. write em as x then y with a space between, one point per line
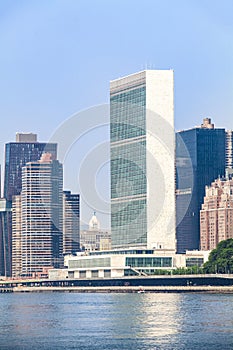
116 321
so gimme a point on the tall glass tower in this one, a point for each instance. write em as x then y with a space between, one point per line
17 154
200 159
142 160
71 222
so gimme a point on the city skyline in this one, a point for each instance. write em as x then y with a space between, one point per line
62 66
132 104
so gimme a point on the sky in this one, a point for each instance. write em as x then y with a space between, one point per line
57 58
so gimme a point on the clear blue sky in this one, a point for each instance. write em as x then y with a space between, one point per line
57 58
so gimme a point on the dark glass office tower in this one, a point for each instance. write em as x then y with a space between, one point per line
200 159
71 223
17 154
5 212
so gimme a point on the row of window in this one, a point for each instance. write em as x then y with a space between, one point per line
149 262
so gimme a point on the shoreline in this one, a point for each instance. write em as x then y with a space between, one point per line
128 289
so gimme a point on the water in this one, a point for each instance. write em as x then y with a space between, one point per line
116 321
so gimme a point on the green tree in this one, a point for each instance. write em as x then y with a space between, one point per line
221 258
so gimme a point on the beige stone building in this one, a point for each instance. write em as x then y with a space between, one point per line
216 216
95 238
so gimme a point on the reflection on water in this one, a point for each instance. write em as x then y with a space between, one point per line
147 316
116 321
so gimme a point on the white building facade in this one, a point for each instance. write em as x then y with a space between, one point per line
130 262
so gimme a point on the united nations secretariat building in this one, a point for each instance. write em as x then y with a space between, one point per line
143 224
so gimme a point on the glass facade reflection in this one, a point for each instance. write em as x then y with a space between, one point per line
17 154
71 223
128 166
88 263
205 162
142 160
149 262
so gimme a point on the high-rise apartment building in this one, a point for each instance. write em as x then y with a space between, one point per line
200 159
71 223
40 215
216 216
17 154
142 160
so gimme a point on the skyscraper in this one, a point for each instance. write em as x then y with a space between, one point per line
142 160
200 159
71 223
40 213
17 154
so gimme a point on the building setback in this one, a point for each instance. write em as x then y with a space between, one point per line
142 160
216 216
200 159
71 223
17 154
39 212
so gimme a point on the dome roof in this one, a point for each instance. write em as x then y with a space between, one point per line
94 223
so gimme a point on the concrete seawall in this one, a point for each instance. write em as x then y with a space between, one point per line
129 289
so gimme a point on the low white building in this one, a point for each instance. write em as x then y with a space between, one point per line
130 262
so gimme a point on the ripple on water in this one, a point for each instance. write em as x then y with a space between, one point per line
116 321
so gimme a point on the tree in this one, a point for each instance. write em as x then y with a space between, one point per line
221 258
